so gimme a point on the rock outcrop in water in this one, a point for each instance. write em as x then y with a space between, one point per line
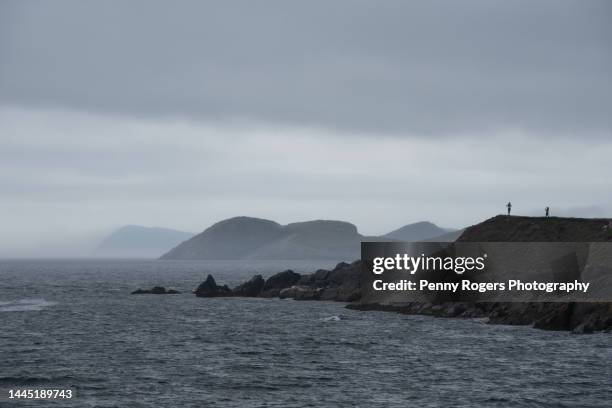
209 288
339 284
250 288
276 283
156 290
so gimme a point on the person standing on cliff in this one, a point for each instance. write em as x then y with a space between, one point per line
509 206
547 209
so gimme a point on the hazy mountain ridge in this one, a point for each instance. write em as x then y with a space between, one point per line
255 238
417 231
133 241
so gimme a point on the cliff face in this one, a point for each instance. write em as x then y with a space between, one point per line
539 229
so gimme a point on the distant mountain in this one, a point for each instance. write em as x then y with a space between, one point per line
255 238
419 231
448 237
133 241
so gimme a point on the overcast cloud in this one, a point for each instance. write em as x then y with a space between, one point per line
179 114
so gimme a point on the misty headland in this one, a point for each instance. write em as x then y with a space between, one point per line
259 239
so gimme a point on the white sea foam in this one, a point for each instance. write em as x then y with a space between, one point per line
332 319
25 305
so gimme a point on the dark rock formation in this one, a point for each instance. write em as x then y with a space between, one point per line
250 288
209 288
157 290
278 282
339 284
538 229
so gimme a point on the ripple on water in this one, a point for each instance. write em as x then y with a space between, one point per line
25 305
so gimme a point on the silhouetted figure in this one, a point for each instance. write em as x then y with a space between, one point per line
547 209
509 206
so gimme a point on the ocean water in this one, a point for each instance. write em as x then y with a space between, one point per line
75 324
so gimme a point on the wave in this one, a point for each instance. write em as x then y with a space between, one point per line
25 305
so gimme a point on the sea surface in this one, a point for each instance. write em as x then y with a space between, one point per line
73 323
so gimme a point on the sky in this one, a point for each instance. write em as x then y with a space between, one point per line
180 114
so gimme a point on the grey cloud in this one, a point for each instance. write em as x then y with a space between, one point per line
188 175
395 66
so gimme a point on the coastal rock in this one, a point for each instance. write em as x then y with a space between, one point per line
584 328
343 283
580 318
209 288
250 288
157 290
340 284
556 318
282 280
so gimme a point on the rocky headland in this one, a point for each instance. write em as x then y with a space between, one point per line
339 284
156 290
342 283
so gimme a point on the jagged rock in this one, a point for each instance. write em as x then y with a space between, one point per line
340 284
278 282
209 288
157 290
343 283
251 288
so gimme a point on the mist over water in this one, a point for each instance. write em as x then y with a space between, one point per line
75 324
